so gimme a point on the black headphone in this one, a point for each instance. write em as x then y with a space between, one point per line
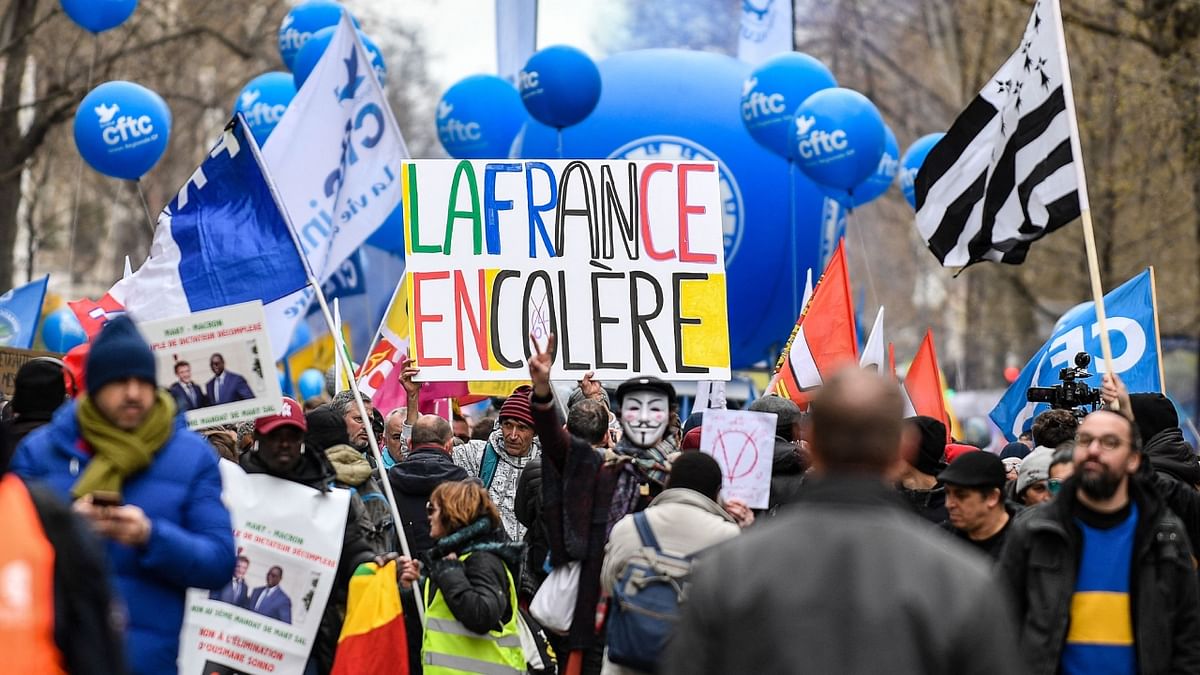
74 386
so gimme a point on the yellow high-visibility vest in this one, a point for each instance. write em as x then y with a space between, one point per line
450 648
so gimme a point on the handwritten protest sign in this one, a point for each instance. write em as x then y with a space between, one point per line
743 443
11 360
217 364
289 539
622 260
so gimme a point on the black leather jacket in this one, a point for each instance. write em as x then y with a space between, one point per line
1040 562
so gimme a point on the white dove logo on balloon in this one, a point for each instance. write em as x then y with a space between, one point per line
249 97
444 109
106 112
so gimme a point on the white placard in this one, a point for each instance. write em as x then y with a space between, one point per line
278 525
186 347
743 443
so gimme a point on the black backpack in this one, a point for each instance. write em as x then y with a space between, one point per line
646 602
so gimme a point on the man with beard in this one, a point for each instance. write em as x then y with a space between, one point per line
1102 576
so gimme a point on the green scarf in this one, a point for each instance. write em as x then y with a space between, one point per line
118 453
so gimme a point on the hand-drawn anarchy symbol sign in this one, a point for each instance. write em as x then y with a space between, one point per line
746 459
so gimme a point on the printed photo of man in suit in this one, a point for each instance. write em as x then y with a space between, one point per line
226 386
270 600
188 395
237 591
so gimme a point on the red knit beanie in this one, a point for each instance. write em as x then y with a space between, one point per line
517 406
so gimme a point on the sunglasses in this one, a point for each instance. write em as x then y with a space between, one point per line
429 508
1054 485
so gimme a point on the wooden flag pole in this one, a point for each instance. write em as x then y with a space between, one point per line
1085 209
1162 376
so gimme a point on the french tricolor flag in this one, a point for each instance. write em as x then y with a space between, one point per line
221 241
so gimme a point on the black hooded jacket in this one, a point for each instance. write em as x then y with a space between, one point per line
787 475
1170 454
315 471
413 480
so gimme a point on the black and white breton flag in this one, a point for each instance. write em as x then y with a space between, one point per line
1004 175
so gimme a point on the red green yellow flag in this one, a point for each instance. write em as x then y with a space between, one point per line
373 638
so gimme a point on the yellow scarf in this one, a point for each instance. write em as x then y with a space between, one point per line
118 453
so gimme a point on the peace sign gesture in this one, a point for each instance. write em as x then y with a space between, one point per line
539 366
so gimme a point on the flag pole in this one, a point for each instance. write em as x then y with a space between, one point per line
1085 209
340 353
1162 377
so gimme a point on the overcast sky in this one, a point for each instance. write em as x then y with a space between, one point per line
460 35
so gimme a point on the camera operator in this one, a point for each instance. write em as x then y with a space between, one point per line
1165 448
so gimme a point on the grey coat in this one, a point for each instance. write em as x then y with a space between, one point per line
845 581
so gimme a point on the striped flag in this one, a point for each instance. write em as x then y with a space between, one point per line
1004 175
824 338
373 639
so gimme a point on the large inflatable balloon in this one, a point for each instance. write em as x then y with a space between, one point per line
302 22
311 384
98 16
314 48
122 129
390 235
263 101
61 331
479 116
560 86
678 105
839 137
911 163
877 183
772 93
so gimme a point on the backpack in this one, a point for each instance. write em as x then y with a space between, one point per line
646 602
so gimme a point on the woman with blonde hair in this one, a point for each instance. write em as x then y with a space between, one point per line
471 611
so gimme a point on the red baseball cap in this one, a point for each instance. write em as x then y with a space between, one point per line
290 413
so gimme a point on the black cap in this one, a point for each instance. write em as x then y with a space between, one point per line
975 469
636 383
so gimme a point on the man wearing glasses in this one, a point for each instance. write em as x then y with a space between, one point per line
1102 576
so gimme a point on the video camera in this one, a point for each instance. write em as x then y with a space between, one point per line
1070 393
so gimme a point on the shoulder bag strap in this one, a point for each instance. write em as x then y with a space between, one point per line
487 465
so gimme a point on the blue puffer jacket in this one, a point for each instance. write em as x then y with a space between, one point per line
191 541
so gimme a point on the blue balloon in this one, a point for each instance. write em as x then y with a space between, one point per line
560 86
311 384
911 163
839 137
773 92
263 101
677 105
877 183
122 129
61 331
376 55
315 47
479 117
98 16
304 20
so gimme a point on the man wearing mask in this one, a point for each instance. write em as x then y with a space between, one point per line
147 484
1103 576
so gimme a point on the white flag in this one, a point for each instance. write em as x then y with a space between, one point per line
875 353
766 30
335 160
516 35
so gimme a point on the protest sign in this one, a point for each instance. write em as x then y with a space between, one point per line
743 443
1133 329
11 360
622 260
289 539
213 363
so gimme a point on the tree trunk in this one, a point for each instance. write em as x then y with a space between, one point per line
21 14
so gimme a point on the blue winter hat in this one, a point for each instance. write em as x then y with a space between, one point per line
117 353
1014 449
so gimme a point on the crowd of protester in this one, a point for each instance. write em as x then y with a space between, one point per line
885 546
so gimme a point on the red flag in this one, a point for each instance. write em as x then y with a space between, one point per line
93 315
923 384
824 338
892 360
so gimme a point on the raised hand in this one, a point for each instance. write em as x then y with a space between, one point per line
539 366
